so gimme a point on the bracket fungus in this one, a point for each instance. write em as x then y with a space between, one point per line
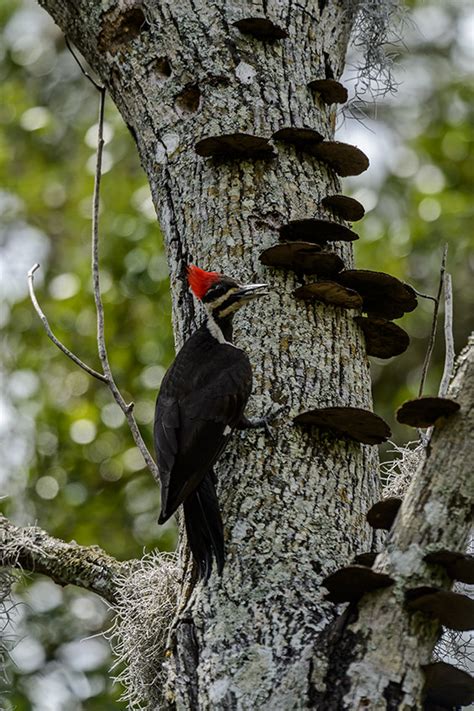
260 27
350 583
330 90
344 206
317 231
447 685
330 293
352 422
234 145
302 138
384 295
343 158
383 513
425 411
453 610
367 559
303 257
459 566
383 339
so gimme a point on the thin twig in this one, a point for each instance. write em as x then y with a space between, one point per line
425 296
448 336
51 335
95 240
79 64
429 352
106 376
127 409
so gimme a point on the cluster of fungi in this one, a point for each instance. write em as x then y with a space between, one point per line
304 248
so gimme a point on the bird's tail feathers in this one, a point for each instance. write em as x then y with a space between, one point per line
204 527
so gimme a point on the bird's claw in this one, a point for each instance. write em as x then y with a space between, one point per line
265 421
271 417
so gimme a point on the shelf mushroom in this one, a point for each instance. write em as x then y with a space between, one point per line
353 422
317 231
234 145
453 610
303 257
383 513
343 158
344 206
425 411
350 583
330 90
261 28
383 339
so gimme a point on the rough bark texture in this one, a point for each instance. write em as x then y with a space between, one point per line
382 646
34 550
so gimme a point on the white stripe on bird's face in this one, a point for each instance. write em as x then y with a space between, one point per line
211 305
230 309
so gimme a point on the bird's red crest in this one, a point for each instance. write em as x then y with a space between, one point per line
200 281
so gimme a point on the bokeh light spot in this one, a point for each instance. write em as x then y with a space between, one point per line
112 415
429 209
64 286
35 118
430 179
47 487
133 460
152 376
83 431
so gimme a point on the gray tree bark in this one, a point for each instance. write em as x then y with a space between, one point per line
293 507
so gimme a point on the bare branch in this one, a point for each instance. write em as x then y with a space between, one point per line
33 550
429 352
98 86
106 376
425 296
127 409
51 335
95 241
448 336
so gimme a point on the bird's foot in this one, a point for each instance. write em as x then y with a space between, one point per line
265 421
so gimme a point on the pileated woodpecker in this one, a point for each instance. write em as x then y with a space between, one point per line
201 400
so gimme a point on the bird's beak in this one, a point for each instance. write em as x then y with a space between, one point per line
252 291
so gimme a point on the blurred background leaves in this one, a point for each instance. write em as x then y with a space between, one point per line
68 461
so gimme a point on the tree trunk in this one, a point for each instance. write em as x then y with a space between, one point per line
294 506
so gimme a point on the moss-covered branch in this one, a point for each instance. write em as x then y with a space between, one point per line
33 550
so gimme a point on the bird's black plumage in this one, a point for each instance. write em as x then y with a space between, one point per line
201 400
204 526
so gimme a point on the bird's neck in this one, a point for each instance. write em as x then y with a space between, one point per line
220 328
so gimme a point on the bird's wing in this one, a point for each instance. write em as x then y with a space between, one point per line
197 407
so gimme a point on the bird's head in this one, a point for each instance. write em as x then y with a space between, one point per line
222 295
